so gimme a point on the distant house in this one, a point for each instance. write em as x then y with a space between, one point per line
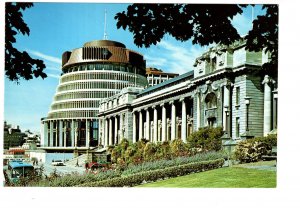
156 76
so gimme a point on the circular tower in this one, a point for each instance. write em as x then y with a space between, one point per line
98 70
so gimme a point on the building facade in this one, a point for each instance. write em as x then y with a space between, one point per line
226 89
98 70
156 76
12 136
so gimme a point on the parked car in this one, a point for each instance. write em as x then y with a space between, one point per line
57 163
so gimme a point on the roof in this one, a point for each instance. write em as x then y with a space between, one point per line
156 71
168 82
16 164
100 43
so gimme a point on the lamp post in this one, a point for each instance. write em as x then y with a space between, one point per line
247 103
226 120
247 134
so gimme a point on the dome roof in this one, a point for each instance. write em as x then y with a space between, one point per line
101 43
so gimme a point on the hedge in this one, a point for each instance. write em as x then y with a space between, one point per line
149 176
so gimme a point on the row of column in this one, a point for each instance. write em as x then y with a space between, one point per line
48 128
109 135
147 135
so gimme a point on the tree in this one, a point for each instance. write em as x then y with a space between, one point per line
204 24
19 64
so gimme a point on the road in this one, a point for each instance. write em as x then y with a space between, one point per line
48 169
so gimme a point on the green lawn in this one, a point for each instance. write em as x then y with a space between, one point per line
233 177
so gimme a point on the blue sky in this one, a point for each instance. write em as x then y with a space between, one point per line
58 27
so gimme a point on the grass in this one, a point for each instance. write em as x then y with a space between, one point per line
233 177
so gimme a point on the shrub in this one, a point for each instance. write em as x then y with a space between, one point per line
74 179
178 148
149 151
206 139
161 164
252 150
136 179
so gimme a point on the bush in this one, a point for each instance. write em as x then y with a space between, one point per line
252 150
149 176
161 164
206 139
178 148
74 179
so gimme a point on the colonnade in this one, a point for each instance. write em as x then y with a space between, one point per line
156 124
111 129
66 133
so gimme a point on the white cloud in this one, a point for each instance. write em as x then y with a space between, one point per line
53 64
173 58
56 76
45 57
154 61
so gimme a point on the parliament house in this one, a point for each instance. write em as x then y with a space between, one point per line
103 97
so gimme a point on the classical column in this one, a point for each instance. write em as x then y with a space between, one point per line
45 134
121 127
154 124
106 132
56 135
73 133
133 127
183 122
198 110
65 135
116 131
163 123
147 125
76 134
99 132
267 105
60 133
103 131
173 121
51 133
140 124
87 133
110 135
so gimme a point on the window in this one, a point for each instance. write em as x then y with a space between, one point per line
90 67
237 127
237 96
213 64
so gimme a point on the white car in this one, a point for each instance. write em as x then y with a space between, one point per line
57 163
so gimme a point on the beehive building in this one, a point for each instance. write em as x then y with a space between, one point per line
99 69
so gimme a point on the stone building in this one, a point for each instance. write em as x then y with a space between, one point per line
156 76
12 136
227 88
100 69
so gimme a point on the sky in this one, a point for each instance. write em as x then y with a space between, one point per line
59 27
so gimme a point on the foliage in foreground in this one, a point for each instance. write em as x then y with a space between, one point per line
149 176
19 64
77 179
252 150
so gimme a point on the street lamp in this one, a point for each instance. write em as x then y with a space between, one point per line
226 119
247 133
247 103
